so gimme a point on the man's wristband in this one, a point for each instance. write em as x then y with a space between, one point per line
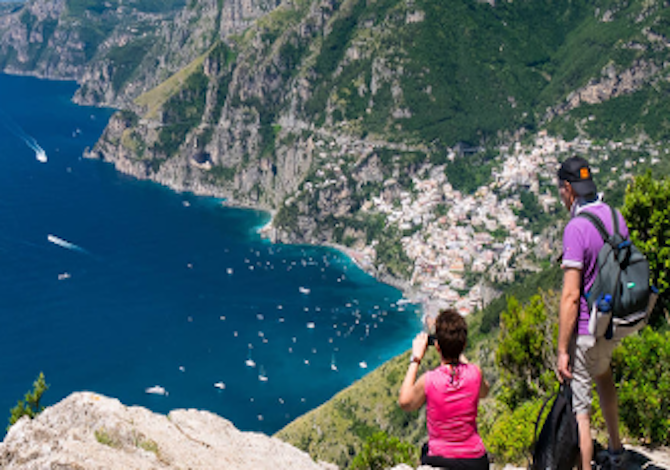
415 359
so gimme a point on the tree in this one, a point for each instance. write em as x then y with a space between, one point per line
30 405
525 353
642 372
647 213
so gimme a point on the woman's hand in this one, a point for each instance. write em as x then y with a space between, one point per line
419 345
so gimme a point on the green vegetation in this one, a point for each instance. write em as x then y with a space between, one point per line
182 112
381 451
105 438
222 174
287 217
524 356
487 320
469 173
532 211
391 254
30 405
642 372
647 211
126 59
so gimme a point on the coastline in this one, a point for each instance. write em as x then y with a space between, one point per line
268 231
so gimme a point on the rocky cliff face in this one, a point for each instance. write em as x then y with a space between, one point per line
312 108
87 430
118 49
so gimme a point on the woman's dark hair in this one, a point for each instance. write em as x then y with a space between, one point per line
452 333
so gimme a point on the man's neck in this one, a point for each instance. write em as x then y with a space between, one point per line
582 203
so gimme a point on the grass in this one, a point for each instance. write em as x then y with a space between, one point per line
154 99
105 438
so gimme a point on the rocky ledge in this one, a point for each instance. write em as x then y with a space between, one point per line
91 431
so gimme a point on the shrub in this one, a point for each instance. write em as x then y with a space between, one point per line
647 212
642 372
30 405
381 451
508 435
525 351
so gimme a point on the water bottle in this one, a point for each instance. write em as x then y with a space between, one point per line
605 303
605 307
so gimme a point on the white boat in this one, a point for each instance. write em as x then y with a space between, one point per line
333 366
261 375
156 390
310 325
304 290
250 362
229 271
41 156
363 365
220 385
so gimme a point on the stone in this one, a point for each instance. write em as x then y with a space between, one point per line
90 431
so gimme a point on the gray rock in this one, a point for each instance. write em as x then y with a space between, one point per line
91 431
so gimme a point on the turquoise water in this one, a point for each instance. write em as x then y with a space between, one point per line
115 285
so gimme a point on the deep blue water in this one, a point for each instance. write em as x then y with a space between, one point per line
164 288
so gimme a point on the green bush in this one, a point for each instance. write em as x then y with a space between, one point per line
647 212
508 435
642 372
30 405
381 451
469 172
524 356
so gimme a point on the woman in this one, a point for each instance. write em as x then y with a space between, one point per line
451 393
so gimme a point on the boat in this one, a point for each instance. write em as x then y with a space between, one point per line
250 362
310 325
333 366
261 375
41 156
156 390
363 365
220 385
304 290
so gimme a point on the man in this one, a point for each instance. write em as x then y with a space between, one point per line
582 358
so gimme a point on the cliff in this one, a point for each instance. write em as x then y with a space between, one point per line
367 124
87 430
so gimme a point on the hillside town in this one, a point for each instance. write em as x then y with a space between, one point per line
479 235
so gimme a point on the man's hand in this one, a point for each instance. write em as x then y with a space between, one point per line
563 364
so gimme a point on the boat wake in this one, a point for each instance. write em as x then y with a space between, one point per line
65 244
15 129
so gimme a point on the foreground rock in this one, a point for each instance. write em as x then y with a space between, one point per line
90 431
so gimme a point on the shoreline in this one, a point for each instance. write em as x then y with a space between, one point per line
357 257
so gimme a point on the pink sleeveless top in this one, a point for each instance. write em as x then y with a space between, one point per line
451 412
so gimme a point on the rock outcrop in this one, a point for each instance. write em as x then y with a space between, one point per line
87 431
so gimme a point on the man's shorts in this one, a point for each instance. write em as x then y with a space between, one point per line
588 361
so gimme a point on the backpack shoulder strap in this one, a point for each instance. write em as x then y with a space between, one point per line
595 220
615 221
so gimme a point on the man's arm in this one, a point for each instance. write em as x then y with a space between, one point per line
567 317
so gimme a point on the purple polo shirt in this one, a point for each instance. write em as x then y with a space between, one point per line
581 245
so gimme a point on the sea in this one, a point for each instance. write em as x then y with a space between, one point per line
162 299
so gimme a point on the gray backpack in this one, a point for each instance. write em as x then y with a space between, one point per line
620 299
